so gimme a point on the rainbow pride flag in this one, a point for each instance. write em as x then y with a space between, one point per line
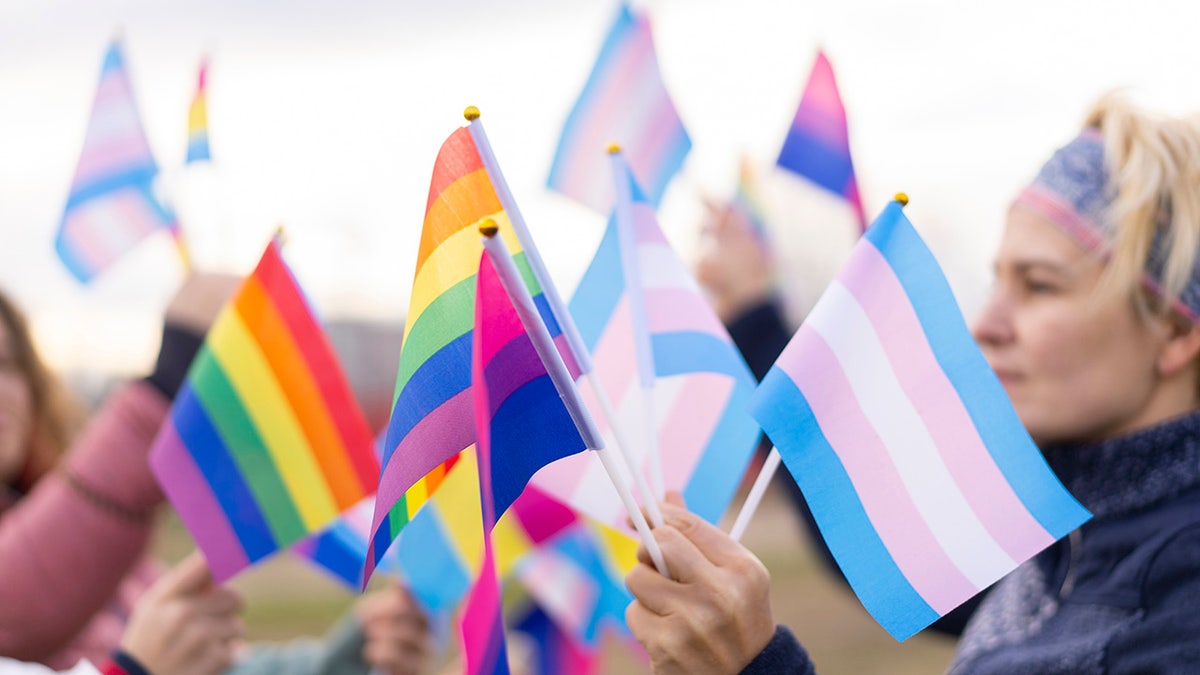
431 418
624 101
701 382
265 443
111 206
919 473
817 147
197 146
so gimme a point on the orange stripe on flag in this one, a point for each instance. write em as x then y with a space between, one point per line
300 388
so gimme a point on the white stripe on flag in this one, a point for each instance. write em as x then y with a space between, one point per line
843 324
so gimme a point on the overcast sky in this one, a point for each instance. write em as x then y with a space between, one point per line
326 117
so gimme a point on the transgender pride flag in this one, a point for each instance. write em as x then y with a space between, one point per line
623 102
112 205
817 146
922 479
701 384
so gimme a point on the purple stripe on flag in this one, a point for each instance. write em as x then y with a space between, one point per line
884 497
869 277
188 491
441 428
518 365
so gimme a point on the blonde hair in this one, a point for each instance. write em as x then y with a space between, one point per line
1153 162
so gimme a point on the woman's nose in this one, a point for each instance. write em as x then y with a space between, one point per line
993 325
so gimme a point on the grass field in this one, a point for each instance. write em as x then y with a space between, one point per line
286 598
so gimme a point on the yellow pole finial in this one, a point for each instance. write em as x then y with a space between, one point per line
488 227
471 113
280 236
901 198
614 148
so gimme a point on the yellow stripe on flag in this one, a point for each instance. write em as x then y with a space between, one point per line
244 363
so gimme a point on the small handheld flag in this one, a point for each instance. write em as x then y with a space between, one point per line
817 147
624 101
111 206
920 476
197 146
265 442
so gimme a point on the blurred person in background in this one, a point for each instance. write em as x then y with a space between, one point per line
1093 328
77 511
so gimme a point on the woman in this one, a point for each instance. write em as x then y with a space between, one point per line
74 531
1093 330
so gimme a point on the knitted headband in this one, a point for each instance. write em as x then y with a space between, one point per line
1073 191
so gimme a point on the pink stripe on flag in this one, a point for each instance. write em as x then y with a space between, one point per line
616 372
690 423
869 277
113 155
880 489
645 225
649 152
606 104
443 427
503 326
671 310
188 491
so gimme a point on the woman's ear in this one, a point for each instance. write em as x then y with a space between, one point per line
1182 345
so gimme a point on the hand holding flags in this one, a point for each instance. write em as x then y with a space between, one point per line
921 478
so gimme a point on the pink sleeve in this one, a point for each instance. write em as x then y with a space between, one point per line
63 553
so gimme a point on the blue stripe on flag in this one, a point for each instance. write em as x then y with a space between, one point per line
437 576
809 156
442 376
883 589
600 289
668 163
719 470
684 351
141 176
223 475
530 429
981 392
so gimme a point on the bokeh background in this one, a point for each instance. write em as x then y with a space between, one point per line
326 117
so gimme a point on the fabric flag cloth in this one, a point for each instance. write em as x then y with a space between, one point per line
920 476
265 442
197 145
706 437
522 424
578 578
555 651
817 146
431 411
624 102
340 549
111 206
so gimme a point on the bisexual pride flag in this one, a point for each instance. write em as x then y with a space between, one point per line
111 206
623 102
920 476
817 147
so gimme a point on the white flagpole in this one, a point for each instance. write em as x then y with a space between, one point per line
522 301
574 340
769 467
643 349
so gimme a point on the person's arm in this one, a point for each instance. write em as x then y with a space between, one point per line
714 614
1167 639
66 546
